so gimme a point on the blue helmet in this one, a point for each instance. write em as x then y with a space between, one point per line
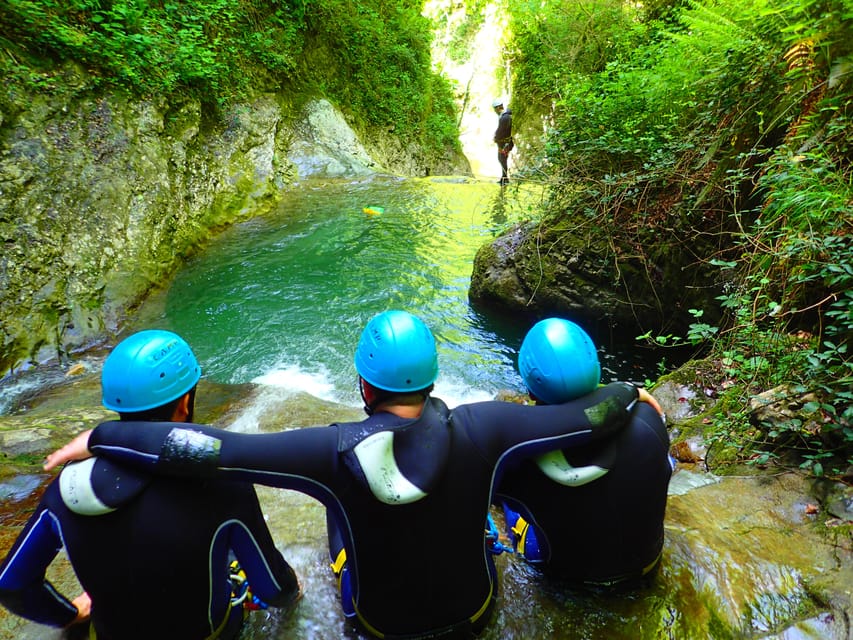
397 353
558 361
147 370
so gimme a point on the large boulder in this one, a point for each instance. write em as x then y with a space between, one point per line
581 271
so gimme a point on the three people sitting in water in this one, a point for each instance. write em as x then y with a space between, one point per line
412 462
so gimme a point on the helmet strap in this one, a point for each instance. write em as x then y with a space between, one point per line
366 389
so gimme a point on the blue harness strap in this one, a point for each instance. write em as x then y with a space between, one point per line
493 538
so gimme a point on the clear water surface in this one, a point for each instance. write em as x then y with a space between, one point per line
282 299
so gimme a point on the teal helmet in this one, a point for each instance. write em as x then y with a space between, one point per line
558 361
147 370
397 353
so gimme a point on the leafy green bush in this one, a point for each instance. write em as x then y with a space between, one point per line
373 61
149 48
553 43
795 271
729 121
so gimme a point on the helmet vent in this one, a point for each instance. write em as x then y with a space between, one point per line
162 374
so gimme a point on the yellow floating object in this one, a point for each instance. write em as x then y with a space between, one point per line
373 211
75 370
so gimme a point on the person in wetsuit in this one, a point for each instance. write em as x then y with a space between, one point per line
503 137
151 553
592 514
407 490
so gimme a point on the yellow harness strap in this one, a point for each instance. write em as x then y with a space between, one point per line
338 565
367 626
520 529
485 606
473 619
216 633
615 581
337 568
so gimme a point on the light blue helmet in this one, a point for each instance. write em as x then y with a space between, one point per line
147 370
397 353
558 361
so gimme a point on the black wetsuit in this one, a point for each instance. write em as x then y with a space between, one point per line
410 497
606 526
503 138
152 553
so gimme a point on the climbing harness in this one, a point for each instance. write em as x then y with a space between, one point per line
241 591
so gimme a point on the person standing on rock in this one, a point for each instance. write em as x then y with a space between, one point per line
406 491
503 137
155 556
592 514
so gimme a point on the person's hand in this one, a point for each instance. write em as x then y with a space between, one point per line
645 396
84 608
77 449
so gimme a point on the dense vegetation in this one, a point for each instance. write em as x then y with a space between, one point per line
371 57
727 123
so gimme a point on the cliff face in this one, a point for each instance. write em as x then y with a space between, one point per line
103 195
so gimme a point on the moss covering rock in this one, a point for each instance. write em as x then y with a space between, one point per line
104 194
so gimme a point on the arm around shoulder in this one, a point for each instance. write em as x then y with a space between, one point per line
610 407
77 449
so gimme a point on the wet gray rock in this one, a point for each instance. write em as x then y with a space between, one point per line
324 146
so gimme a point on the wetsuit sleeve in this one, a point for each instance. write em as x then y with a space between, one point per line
301 459
513 431
271 578
24 590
